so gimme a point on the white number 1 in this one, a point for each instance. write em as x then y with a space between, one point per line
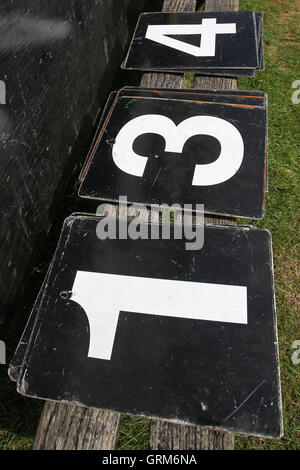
96 294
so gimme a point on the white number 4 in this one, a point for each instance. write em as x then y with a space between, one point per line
208 31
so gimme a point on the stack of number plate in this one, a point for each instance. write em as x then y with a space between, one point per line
223 43
146 327
190 147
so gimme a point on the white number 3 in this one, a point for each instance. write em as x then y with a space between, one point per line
222 169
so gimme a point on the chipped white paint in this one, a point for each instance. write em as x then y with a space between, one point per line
208 31
103 296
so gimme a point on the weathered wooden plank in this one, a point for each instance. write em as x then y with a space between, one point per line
215 83
68 427
165 436
161 80
179 5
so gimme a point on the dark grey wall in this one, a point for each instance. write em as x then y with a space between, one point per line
57 60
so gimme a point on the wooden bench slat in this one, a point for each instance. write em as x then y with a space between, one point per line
161 80
69 427
179 5
169 436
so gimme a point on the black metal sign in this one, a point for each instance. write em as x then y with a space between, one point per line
201 323
223 43
185 147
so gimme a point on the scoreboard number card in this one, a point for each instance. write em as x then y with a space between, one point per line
221 43
206 337
162 150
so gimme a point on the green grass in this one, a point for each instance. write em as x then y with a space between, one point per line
282 68
19 416
134 433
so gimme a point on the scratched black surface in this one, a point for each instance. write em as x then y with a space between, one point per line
168 177
202 372
57 61
23 349
250 73
19 357
233 51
